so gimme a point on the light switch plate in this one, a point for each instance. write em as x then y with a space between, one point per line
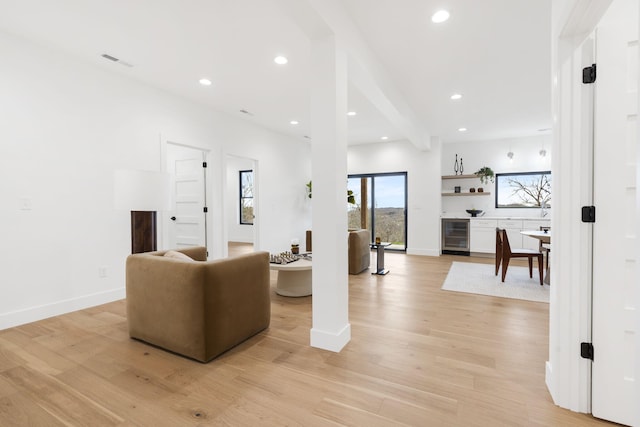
102 272
25 203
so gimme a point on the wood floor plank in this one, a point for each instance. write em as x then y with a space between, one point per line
418 356
65 404
18 410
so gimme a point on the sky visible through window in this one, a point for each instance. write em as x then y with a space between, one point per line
389 190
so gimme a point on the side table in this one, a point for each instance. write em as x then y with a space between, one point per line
379 247
294 279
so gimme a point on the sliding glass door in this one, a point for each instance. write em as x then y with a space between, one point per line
380 206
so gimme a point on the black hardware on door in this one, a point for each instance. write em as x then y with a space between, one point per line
588 214
589 74
173 218
586 350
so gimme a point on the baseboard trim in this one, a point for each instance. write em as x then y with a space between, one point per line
549 380
331 341
240 240
423 252
32 314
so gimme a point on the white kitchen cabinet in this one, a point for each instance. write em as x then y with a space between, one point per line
483 235
533 224
513 228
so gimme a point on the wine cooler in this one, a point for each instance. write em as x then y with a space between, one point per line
455 236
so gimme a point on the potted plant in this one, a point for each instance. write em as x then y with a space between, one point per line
350 196
485 174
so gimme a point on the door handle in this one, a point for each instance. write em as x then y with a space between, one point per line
173 218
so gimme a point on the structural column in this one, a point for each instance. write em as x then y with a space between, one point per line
331 329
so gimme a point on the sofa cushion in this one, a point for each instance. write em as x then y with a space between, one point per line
177 255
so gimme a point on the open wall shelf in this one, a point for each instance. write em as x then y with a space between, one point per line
466 193
459 176
482 193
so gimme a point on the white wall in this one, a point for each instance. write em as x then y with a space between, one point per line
282 168
493 154
423 176
66 127
236 232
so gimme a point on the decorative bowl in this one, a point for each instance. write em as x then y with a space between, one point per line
474 212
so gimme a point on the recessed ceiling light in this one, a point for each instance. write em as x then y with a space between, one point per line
384 138
205 82
456 96
351 113
280 60
440 16
294 122
462 129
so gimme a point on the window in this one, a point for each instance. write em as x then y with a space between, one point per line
380 206
523 190
246 197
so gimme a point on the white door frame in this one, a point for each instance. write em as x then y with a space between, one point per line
256 201
637 414
567 376
210 185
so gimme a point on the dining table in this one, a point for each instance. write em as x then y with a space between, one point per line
544 236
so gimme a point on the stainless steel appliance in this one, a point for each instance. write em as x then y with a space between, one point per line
455 236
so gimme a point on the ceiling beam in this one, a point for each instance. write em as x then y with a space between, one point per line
320 17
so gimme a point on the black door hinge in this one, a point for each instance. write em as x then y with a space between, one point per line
589 74
588 214
206 209
204 164
586 350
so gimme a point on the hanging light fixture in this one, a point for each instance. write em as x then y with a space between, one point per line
510 155
543 152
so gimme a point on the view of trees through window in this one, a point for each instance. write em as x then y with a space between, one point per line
380 206
246 197
523 190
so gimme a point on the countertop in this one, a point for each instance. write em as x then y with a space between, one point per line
462 216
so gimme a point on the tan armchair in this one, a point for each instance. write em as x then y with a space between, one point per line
199 308
359 251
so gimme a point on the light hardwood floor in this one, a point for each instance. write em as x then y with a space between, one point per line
418 356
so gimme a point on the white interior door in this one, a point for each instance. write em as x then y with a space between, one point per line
187 224
615 277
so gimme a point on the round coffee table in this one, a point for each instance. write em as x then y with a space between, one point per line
294 279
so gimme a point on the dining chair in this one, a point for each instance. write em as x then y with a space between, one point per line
498 250
545 248
502 241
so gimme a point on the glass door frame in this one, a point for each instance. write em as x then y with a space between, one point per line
371 202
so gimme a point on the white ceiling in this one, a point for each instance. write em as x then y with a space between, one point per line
495 52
